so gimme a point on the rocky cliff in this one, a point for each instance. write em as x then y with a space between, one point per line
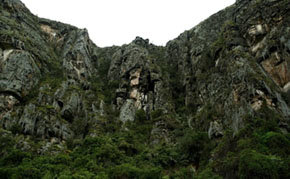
214 102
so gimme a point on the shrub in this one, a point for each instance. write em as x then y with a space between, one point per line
166 156
28 172
14 157
208 173
192 145
6 142
129 171
183 173
140 115
256 165
207 114
277 143
6 172
83 174
16 129
103 149
80 126
156 113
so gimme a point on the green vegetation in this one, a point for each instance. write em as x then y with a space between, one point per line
126 152
259 150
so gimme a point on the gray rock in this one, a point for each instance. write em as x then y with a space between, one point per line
215 130
72 107
127 111
19 72
53 76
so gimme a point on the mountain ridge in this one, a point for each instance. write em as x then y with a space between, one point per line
212 103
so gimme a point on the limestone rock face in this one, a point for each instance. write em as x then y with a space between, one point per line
56 83
45 67
79 60
139 78
236 60
213 102
19 72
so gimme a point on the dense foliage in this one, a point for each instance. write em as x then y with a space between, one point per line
260 150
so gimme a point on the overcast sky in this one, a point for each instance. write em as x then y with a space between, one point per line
116 22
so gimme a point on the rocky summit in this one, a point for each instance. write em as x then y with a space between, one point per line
212 103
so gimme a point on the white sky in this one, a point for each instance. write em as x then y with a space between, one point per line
116 22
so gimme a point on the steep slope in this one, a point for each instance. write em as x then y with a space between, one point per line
214 102
236 59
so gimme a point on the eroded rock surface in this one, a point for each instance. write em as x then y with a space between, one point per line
215 99
56 83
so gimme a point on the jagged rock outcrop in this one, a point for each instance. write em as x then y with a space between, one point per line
140 82
228 77
19 74
44 67
234 60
